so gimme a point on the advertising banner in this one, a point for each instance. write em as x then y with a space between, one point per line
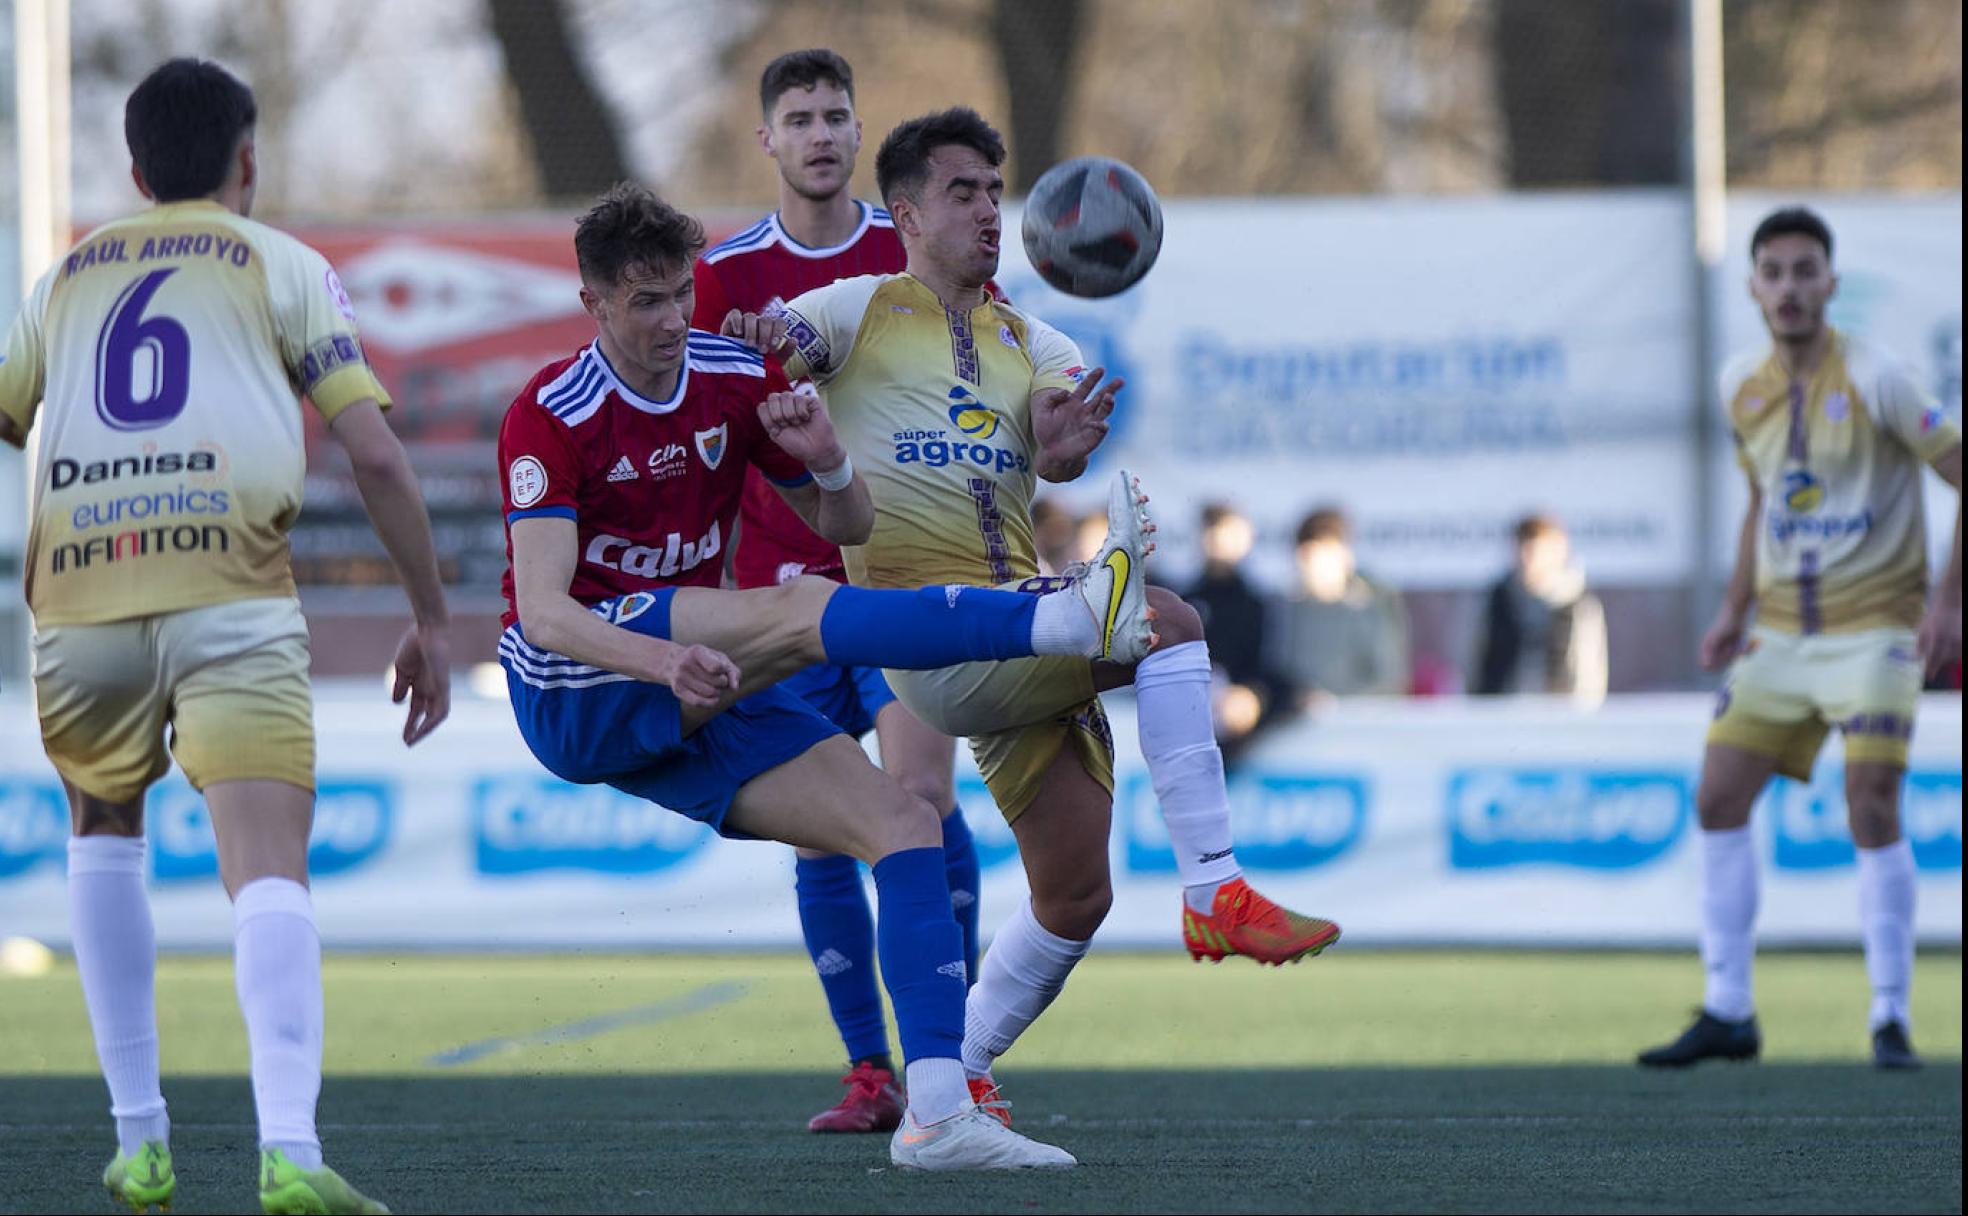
1491 823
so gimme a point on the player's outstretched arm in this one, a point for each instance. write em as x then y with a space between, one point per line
545 552
1725 636
1940 629
396 510
836 503
1068 426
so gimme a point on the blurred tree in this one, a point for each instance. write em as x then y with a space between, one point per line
1591 94
1842 95
574 141
1036 41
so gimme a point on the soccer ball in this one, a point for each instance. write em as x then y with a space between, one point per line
1092 226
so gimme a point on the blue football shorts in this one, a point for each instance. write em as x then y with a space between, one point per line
850 697
590 726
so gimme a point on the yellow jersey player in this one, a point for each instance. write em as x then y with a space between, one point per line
166 357
1831 433
955 404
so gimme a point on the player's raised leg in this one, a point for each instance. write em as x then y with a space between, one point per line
1222 914
772 632
1886 901
1725 1029
830 797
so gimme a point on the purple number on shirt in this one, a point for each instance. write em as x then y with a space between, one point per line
143 364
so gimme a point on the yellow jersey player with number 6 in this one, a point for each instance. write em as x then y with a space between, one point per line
164 361
1832 434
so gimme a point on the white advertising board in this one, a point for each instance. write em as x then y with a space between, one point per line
1439 367
1408 822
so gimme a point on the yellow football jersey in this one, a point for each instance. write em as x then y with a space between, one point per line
934 406
167 354
1842 542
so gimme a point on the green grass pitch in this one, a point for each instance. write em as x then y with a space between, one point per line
1363 1081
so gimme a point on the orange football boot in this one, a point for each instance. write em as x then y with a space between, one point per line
1241 921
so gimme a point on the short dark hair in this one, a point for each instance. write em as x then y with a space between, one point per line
1791 221
630 226
1326 523
902 165
803 70
183 124
1537 524
1214 513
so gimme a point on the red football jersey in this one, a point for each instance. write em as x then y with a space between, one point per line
760 266
652 486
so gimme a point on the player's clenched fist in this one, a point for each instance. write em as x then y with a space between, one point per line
698 675
765 334
798 422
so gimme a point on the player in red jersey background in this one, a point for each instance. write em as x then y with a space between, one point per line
819 234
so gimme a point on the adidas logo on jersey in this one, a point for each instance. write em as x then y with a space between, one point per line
623 471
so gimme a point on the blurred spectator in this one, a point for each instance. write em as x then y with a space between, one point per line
1248 693
1088 535
1542 631
1340 634
1055 533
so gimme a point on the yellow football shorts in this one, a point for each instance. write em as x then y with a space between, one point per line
1785 692
229 681
1017 715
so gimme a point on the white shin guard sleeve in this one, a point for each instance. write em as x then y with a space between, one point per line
116 954
277 970
1728 939
1178 742
1886 898
1022 972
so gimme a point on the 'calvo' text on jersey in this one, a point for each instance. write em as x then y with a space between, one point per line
646 561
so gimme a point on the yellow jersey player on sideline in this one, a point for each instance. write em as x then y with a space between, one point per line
1831 433
167 354
954 404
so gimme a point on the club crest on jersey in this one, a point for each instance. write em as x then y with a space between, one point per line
1838 407
631 606
1007 337
710 444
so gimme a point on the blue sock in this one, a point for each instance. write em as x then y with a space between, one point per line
840 938
960 867
921 954
926 628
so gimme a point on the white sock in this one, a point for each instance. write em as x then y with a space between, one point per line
116 953
1178 740
1886 893
1061 624
1023 970
1728 940
277 970
936 1089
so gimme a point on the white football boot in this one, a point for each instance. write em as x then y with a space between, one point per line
970 1140
1112 585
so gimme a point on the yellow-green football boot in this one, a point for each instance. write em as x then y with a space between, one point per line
143 1180
288 1190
